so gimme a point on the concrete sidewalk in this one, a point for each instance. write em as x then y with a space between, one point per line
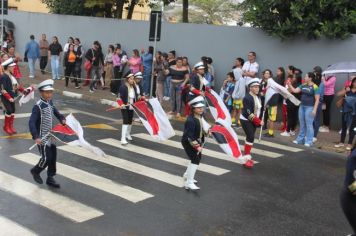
326 141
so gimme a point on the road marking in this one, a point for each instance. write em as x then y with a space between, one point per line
171 143
9 227
100 126
94 115
254 150
18 136
98 182
163 156
162 176
26 115
73 95
59 204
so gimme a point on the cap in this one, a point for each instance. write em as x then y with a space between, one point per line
199 65
139 75
253 82
129 75
46 85
197 102
8 62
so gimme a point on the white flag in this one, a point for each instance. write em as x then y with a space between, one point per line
75 125
28 97
273 87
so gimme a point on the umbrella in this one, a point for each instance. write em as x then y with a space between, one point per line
341 67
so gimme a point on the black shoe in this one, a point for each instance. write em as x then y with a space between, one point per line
52 183
268 135
36 177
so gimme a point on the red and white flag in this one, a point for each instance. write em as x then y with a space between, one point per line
273 87
28 96
217 107
154 119
227 139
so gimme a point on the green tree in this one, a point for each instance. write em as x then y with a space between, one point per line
67 7
311 18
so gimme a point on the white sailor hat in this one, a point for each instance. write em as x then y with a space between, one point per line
253 82
197 102
46 85
199 65
8 62
139 75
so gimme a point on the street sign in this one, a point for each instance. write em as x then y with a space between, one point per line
5 7
155 21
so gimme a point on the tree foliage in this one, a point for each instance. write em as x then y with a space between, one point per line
311 18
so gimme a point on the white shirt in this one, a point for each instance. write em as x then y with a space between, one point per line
250 67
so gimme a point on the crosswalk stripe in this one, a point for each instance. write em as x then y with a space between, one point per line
163 156
27 115
9 227
98 182
254 150
207 152
59 204
159 175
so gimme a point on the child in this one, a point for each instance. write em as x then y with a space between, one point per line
250 117
227 89
40 124
239 92
193 140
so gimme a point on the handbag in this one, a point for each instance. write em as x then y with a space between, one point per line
88 64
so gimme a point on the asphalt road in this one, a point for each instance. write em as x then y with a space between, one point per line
138 191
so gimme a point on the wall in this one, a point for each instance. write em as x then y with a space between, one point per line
222 43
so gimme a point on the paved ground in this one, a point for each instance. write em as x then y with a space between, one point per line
291 191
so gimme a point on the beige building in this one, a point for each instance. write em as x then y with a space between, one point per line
140 13
28 5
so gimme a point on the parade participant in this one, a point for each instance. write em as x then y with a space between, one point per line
128 96
193 140
9 89
249 117
197 81
138 84
40 124
348 192
17 73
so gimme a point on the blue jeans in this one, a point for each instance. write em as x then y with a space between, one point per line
147 82
55 66
31 65
306 120
316 123
167 87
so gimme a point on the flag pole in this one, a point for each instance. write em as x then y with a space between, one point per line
263 117
43 138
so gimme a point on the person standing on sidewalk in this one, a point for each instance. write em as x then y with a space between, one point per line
95 56
308 108
239 91
79 52
329 93
147 60
70 58
251 67
167 84
44 45
32 53
109 68
54 54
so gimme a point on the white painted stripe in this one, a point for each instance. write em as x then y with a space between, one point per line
72 95
61 205
162 176
9 227
94 115
254 150
171 143
163 156
27 115
98 182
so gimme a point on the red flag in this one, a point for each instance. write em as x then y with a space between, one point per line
145 112
227 140
64 133
217 107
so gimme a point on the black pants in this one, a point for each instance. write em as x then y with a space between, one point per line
249 129
127 116
344 129
9 107
43 63
193 154
116 83
328 99
48 159
348 205
70 71
292 117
